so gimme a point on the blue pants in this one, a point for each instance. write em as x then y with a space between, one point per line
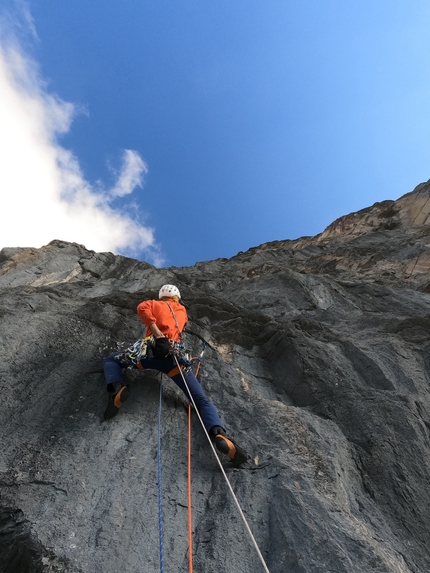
114 364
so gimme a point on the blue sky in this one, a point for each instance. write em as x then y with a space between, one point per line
186 131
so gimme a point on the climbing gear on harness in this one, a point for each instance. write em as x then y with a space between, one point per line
135 352
184 358
225 475
115 401
178 348
169 290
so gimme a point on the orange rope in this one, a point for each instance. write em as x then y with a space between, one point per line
190 509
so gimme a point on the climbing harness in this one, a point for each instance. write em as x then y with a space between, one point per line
160 488
223 472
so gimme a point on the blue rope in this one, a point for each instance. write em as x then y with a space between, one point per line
160 489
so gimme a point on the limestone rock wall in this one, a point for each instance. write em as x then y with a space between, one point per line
321 371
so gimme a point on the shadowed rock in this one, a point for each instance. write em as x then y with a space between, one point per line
321 371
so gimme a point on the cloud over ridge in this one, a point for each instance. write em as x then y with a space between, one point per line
43 192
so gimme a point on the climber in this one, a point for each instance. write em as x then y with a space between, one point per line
165 320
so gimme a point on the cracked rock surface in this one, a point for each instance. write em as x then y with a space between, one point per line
320 370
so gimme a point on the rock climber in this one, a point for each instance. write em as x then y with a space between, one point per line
165 320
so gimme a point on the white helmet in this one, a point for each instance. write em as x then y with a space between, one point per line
169 290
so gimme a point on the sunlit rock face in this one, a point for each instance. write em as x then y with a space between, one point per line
320 370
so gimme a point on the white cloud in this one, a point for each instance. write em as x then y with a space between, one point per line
43 193
133 169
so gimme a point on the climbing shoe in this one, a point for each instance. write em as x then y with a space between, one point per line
115 401
228 447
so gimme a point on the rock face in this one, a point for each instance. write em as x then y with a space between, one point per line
321 371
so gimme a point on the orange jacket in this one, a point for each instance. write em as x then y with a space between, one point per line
158 311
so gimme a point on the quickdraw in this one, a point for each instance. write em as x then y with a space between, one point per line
136 351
